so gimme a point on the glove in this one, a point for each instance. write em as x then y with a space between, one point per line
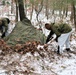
3 35
53 37
49 36
56 39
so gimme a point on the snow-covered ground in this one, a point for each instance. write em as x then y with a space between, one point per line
28 64
16 64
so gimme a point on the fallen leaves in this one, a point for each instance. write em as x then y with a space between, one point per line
19 48
27 47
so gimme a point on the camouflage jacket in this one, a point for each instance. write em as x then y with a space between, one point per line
4 24
59 29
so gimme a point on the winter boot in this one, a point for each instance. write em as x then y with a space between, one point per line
68 49
58 52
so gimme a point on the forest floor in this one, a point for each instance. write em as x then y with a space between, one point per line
28 59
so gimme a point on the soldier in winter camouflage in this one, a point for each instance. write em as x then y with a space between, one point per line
4 26
63 32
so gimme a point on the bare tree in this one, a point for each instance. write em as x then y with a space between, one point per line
12 8
74 13
32 7
46 7
38 9
21 9
16 1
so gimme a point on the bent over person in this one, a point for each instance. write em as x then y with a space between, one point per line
4 26
63 32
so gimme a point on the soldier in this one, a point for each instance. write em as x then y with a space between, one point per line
4 26
63 32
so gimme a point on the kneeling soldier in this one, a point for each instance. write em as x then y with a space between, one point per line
4 26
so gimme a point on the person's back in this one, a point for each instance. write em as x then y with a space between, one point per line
59 29
4 26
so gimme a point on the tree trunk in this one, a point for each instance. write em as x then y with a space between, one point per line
38 9
74 14
21 10
16 10
11 6
53 12
31 13
46 9
32 7
75 18
25 4
66 13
